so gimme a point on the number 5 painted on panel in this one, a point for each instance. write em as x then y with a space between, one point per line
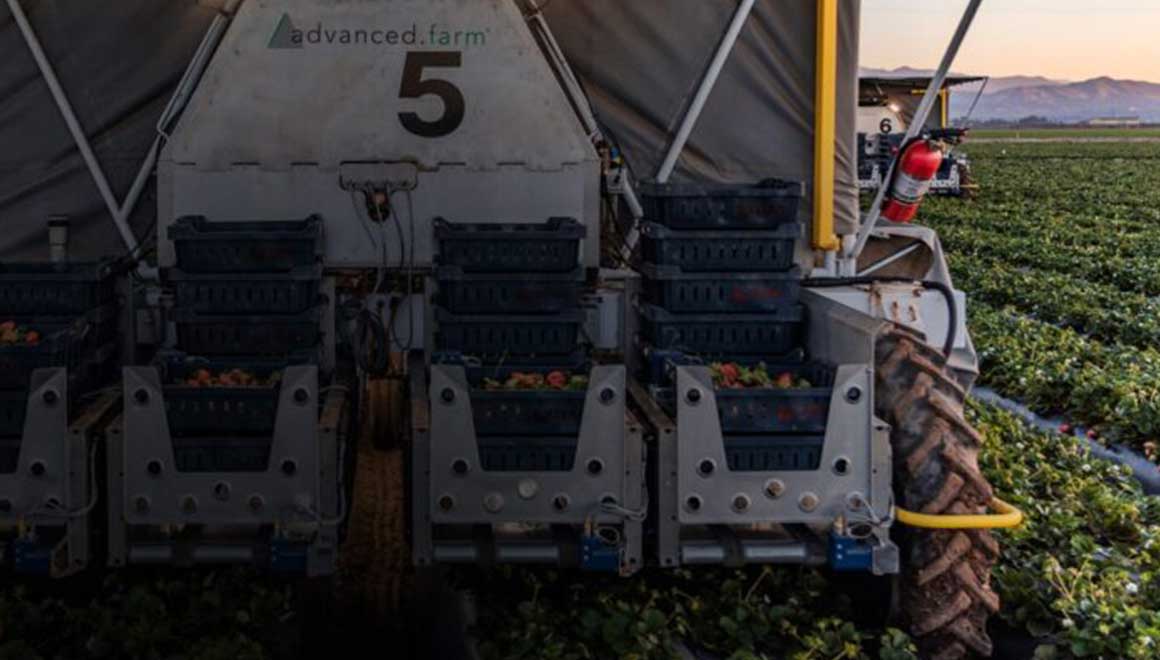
414 86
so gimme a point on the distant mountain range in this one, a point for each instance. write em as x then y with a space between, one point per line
1014 97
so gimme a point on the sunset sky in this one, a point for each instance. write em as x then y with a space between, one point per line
1065 39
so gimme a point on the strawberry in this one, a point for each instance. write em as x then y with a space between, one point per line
730 372
557 380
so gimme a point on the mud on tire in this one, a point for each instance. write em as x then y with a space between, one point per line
946 596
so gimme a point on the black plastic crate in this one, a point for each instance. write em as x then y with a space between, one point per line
681 292
786 453
508 293
216 334
248 293
100 368
13 408
659 365
722 206
246 247
199 411
699 251
501 336
772 410
773 333
64 342
9 454
545 454
477 369
232 454
47 289
526 412
547 247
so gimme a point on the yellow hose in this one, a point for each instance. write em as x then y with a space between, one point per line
1007 516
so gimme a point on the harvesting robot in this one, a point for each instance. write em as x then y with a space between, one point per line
596 268
886 107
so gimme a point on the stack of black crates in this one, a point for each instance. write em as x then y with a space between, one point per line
509 302
53 315
721 286
247 300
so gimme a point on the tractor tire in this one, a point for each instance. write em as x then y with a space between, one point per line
945 595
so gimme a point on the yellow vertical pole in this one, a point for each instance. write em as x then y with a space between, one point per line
825 109
945 101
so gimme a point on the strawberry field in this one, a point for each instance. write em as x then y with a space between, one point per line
1060 257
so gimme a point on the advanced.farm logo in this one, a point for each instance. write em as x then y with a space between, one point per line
288 35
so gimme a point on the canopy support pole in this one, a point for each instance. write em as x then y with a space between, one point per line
708 81
917 125
575 92
74 126
121 212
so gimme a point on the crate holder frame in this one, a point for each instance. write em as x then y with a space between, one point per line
789 528
443 434
303 433
64 453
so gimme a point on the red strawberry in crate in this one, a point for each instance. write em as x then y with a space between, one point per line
557 380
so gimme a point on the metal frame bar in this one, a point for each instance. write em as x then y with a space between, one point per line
916 127
121 211
575 91
708 82
74 126
825 127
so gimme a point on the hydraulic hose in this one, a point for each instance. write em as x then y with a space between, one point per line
947 294
1008 516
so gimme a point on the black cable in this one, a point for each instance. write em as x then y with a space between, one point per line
952 309
371 353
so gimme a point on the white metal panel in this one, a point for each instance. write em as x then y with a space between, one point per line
508 194
306 99
304 81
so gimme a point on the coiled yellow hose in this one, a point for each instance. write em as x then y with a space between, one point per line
1006 516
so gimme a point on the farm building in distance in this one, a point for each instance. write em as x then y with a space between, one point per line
1115 122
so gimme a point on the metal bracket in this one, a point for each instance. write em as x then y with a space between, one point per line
609 439
453 438
298 492
52 485
278 495
41 477
724 497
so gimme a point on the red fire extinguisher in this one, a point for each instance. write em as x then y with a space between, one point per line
919 161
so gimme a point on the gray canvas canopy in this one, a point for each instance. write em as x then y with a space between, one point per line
640 63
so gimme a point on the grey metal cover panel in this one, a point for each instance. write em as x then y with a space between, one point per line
319 81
